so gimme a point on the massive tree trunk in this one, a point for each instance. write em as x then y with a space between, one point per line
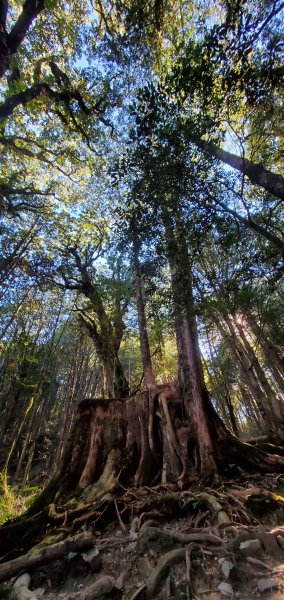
115 382
110 449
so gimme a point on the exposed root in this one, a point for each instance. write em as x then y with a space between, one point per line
140 593
159 572
45 555
104 587
170 537
211 501
205 524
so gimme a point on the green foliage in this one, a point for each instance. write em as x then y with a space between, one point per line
14 501
50 4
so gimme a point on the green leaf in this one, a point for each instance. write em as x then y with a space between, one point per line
50 4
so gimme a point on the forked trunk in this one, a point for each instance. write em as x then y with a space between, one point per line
115 383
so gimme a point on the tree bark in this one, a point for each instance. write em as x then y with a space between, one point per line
229 405
251 224
80 543
149 376
113 375
269 181
109 440
190 366
10 42
109 449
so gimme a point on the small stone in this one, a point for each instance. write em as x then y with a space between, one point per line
24 579
227 567
87 556
39 592
250 547
93 559
226 589
23 593
120 581
130 547
20 588
265 585
118 533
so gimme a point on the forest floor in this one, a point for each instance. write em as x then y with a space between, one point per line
163 543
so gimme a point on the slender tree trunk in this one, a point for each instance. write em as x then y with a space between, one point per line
275 362
269 181
227 395
272 400
252 408
229 404
28 465
190 366
254 226
4 52
15 314
149 376
248 375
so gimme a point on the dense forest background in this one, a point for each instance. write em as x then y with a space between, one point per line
141 159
